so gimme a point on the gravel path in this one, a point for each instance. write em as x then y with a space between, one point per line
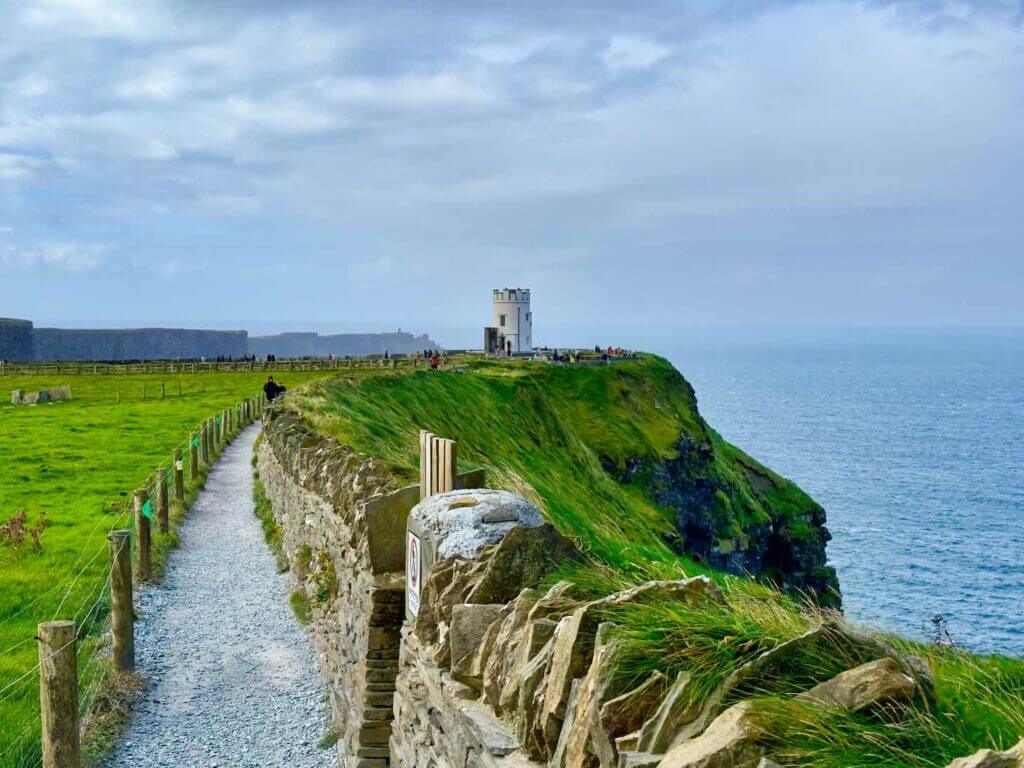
232 675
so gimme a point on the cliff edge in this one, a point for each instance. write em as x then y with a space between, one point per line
618 457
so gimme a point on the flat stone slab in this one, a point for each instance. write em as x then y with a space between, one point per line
466 521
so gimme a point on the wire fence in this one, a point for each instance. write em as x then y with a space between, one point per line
88 611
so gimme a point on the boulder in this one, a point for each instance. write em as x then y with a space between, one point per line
878 682
732 740
987 758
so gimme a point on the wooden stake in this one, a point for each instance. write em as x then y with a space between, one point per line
193 456
204 441
179 476
144 570
58 695
162 516
122 619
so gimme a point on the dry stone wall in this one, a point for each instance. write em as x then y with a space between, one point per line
488 667
321 494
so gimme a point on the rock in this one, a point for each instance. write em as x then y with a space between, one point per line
731 741
833 639
497 668
585 739
987 758
459 529
522 559
675 711
469 624
639 760
628 712
531 693
691 591
882 681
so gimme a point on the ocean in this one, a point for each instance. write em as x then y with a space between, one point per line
913 443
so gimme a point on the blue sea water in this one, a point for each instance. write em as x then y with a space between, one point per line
913 443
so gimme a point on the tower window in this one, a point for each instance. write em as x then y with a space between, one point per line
502 321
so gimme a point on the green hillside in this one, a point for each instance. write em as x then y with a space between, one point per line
621 461
606 451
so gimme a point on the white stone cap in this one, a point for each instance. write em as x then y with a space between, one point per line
464 522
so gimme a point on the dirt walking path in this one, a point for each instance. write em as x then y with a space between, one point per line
232 675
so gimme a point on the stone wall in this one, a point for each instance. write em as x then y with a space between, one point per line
491 665
324 497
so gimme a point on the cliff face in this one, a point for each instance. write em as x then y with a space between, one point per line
136 344
618 457
340 345
781 539
16 340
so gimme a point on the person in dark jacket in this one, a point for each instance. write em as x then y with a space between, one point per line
272 389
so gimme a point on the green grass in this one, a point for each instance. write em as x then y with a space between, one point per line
77 462
565 437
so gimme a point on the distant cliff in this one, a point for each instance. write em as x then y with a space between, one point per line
136 344
315 345
21 342
16 340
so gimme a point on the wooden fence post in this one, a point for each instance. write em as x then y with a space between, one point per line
58 694
179 476
425 439
448 465
162 515
144 571
122 620
163 390
204 441
193 456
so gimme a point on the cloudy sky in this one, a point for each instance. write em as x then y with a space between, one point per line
368 166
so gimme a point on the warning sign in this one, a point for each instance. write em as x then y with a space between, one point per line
412 574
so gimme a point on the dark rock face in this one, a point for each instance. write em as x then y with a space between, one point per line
137 344
781 542
16 340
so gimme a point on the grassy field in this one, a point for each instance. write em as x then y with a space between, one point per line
562 436
75 464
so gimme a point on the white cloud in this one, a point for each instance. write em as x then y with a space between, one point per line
230 205
5 230
629 52
70 257
170 269
442 89
157 149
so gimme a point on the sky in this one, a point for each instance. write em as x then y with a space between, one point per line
641 167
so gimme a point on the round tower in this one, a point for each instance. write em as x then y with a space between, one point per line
512 318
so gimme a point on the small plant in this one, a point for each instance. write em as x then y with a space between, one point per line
329 739
324 577
303 558
300 605
15 531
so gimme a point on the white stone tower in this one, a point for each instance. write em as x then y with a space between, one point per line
512 317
